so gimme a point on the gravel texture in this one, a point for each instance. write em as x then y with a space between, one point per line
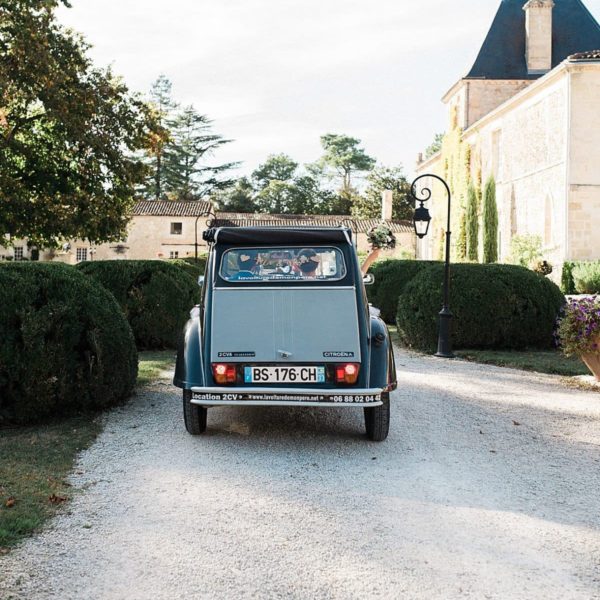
488 487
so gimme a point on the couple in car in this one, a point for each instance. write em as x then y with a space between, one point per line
306 264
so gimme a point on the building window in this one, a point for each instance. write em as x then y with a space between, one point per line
82 254
18 252
176 228
174 254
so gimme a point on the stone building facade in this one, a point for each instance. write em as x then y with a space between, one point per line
171 230
530 113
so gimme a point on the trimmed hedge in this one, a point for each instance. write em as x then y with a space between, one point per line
190 266
494 306
391 277
156 297
65 345
567 281
586 276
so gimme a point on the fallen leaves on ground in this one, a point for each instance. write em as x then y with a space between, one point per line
54 499
10 502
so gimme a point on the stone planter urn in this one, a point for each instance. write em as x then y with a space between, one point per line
592 362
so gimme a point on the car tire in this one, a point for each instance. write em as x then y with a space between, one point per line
377 420
193 415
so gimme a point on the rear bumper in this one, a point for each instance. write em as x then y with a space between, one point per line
285 397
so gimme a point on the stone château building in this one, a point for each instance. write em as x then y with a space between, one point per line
528 113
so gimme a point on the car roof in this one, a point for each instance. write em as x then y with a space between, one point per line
308 236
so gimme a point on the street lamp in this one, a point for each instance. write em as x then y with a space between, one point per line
422 220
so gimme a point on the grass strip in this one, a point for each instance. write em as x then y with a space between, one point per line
551 362
35 462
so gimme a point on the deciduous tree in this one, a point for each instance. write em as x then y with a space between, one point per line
68 132
380 179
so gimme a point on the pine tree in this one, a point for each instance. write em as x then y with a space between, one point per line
472 224
162 106
187 172
490 222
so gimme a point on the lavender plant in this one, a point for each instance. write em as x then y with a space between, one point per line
578 329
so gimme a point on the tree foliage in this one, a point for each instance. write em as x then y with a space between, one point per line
180 155
435 146
239 197
344 157
192 142
490 222
380 179
68 132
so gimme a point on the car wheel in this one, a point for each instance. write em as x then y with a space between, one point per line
377 420
193 415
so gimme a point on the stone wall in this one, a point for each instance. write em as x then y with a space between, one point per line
584 164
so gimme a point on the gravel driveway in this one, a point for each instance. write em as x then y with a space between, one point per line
488 487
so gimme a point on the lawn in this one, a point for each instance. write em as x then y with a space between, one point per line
36 461
552 362
152 364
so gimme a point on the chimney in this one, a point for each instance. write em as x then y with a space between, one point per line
387 199
538 32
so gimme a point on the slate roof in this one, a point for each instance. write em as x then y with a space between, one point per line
502 55
225 219
152 208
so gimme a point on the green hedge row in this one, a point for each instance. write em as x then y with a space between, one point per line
581 277
65 344
391 277
494 306
156 297
191 266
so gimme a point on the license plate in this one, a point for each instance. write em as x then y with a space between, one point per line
284 374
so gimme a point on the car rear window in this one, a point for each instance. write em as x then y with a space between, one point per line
251 265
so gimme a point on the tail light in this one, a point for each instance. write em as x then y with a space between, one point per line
224 373
347 373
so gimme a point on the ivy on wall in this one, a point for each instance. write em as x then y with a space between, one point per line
456 161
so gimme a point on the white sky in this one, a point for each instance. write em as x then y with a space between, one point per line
276 74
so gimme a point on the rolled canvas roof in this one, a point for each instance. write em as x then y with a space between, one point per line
277 236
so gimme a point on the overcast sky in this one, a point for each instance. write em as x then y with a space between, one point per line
276 74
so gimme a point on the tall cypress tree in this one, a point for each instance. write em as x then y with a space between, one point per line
490 222
461 246
472 224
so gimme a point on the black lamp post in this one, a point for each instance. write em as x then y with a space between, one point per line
422 220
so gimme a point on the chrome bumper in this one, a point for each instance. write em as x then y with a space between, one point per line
244 396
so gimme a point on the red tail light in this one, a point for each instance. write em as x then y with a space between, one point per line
347 373
224 373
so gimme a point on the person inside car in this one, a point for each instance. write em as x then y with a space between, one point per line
247 265
308 262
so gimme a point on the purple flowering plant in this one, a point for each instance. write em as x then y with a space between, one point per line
578 330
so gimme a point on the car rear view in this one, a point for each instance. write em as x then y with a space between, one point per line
284 323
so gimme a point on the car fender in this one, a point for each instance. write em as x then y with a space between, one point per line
382 363
188 370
